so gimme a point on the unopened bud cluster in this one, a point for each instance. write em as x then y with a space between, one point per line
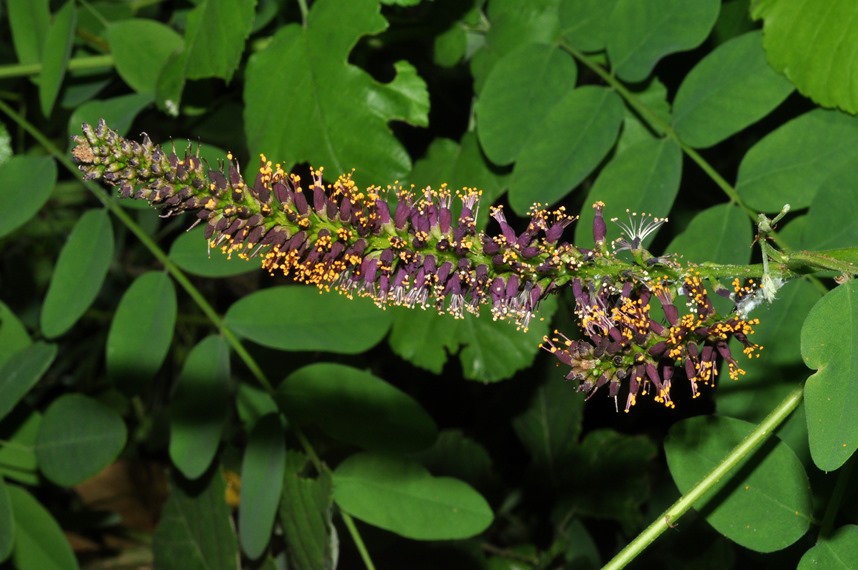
405 247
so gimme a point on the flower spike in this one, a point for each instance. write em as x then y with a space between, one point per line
400 246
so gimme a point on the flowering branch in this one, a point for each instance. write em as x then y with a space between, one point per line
402 247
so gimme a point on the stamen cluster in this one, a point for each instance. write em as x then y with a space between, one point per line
403 246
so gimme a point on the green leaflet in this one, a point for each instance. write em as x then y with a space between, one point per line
765 505
401 496
302 83
78 437
813 47
832 418
337 398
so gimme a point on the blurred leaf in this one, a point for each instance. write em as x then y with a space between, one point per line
566 146
551 426
733 21
720 234
29 21
489 350
643 178
652 95
731 88
299 317
769 378
78 437
13 335
830 223
253 404
5 145
840 550
200 407
585 23
79 273
424 339
509 109
641 33
356 407
140 51
305 512
18 455
456 455
828 339
511 24
261 484
214 37
7 523
401 496
461 165
813 48
58 45
302 83
118 112
195 531
765 505
39 540
599 471
21 372
26 183
785 166
191 253
142 329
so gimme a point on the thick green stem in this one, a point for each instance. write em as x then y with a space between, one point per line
668 519
75 64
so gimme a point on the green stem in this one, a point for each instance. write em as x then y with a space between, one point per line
302 5
753 440
353 531
75 64
844 478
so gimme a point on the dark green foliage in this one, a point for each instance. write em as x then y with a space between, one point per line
302 429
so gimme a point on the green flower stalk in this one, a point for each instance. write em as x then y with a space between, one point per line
404 247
